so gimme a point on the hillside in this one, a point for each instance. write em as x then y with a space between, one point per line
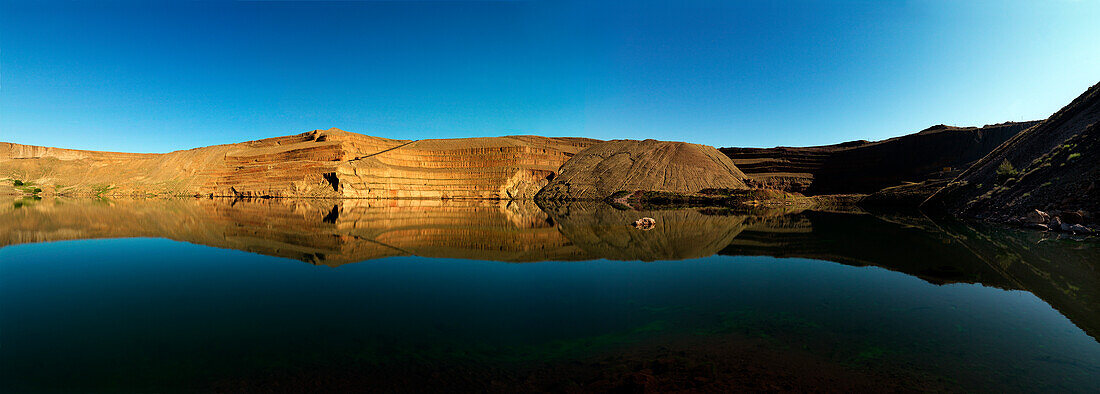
1052 166
865 167
321 163
607 168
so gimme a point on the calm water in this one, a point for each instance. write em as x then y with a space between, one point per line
284 295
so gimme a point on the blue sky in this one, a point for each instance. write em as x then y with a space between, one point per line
161 76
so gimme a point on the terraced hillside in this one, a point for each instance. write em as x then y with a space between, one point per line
321 163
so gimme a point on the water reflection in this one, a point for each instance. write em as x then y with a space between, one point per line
1062 272
114 312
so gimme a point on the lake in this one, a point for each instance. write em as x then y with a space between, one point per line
412 295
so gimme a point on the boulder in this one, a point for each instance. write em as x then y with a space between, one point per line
1073 217
1038 217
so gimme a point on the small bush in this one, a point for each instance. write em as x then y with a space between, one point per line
1006 171
17 182
1073 156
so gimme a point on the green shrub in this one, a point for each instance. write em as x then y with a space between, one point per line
1073 156
17 182
1006 171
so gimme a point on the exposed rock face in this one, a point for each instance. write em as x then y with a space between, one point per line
499 167
321 163
1054 165
628 165
937 152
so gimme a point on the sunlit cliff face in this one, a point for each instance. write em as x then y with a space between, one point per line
321 163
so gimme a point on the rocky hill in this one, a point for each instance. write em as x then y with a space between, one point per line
937 152
321 163
1053 166
607 168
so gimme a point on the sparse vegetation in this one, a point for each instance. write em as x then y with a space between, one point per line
1073 156
98 190
26 187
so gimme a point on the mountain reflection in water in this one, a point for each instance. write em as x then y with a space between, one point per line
1061 272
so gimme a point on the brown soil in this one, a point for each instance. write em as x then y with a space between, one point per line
607 168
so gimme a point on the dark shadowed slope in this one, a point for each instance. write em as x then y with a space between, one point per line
865 167
1053 165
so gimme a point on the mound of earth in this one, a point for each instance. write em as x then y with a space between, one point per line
627 166
1054 165
938 152
321 163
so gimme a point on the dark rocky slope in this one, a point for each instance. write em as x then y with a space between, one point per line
1053 166
938 152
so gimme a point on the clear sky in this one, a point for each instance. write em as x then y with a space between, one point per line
151 76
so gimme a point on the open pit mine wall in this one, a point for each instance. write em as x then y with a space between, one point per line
322 163
488 168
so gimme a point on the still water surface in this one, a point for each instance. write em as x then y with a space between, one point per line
186 295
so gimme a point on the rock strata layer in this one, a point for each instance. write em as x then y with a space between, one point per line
321 163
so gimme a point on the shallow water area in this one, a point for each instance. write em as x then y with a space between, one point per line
410 295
